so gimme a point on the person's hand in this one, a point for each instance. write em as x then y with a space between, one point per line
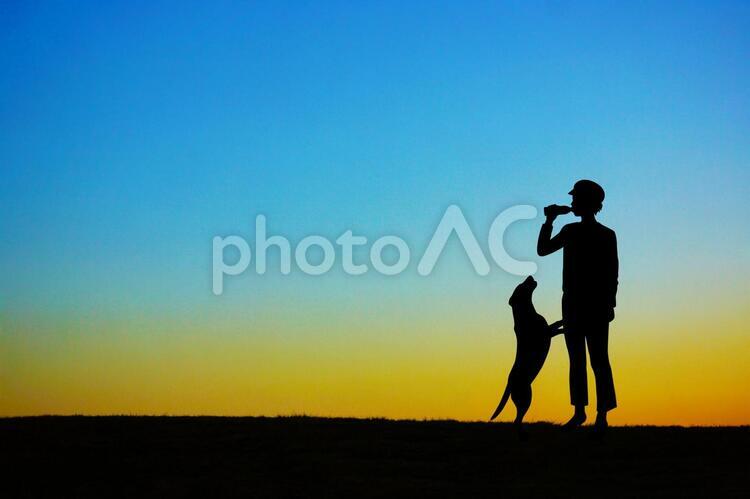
549 212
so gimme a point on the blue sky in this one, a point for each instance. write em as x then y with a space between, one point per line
132 133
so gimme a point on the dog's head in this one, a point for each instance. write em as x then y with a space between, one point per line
523 292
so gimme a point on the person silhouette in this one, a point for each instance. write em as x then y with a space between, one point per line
590 278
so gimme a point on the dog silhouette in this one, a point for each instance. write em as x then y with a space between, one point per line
533 338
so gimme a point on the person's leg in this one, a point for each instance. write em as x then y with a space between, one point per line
576 345
597 337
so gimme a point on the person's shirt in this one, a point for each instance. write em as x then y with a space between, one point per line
590 264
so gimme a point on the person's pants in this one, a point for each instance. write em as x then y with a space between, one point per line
596 336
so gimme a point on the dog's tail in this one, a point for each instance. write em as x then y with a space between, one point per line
503 401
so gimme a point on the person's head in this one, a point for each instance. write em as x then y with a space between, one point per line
588 197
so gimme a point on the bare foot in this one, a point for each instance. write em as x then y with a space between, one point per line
577 420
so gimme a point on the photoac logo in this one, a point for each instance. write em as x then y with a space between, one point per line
452 222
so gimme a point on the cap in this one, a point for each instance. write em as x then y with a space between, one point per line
588 189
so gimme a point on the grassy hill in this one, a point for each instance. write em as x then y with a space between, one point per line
305 457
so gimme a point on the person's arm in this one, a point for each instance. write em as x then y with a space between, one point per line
612 270
547 244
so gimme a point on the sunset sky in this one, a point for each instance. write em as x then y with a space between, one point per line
132 134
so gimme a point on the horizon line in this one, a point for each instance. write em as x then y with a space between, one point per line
352 418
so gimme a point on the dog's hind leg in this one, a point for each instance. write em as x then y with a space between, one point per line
522 399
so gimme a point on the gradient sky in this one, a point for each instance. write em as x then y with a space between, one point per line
132 133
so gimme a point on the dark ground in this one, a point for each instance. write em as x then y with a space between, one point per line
307 457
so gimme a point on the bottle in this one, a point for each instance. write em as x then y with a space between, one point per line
555 210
